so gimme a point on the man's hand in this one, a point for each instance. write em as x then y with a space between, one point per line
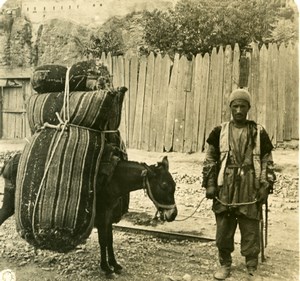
263 192
211 192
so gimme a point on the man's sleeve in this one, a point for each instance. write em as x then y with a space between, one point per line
265 142
267 164
210 164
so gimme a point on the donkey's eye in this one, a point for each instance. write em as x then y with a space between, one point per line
164 185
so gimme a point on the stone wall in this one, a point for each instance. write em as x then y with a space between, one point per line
88 12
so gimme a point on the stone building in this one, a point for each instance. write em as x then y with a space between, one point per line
88 12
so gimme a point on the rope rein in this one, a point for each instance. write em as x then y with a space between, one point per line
235 204
197 207
220 201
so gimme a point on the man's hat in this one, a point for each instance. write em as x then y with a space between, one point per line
239 94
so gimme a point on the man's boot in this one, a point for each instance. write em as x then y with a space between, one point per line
252 274
223 272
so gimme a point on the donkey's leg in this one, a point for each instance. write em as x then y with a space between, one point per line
8 206
102 227
110 250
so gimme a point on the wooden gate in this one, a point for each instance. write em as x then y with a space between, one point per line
13 116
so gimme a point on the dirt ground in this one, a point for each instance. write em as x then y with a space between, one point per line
146 257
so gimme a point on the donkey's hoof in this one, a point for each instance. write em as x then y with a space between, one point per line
110 276
118 269
108 270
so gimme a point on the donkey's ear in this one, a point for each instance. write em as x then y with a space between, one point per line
165 162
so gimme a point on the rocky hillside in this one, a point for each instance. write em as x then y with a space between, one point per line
24 44
60 41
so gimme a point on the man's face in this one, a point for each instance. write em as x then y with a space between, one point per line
239 110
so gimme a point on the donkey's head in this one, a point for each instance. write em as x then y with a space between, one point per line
161 189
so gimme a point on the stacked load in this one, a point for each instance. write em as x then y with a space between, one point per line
58 169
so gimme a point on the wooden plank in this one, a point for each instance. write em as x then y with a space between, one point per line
288 96
103 58
189 109
204 91
4 115
1 114
180 105
254 81
115 72
137 128
269 92
213 92
295 90
281 92
270 110
11 119
125 113
273 93
109 63
5 121
121 74
146 122
18 99
236 67
162 105
225 114
24 116
155 114
170 120
262 91
197 71
219 83
132 96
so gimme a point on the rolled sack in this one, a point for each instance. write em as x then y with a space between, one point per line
92 110
56 188
83 76
49 78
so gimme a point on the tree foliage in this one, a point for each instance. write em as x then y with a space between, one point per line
196 26
110 41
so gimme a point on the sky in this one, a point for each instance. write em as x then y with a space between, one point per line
296 1
3 1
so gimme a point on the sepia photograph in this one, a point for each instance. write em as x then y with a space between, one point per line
149 140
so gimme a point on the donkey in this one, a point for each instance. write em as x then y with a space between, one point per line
127 176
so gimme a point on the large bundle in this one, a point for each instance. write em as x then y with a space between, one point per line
84 108
56 182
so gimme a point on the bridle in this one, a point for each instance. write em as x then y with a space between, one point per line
147 187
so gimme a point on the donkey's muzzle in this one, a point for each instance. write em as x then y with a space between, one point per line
168 214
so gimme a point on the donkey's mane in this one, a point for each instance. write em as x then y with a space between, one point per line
128 165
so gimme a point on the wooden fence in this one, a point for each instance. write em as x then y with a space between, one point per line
172 105
13 116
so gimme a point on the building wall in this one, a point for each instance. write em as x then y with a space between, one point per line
87 11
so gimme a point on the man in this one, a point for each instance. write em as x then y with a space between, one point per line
236 169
